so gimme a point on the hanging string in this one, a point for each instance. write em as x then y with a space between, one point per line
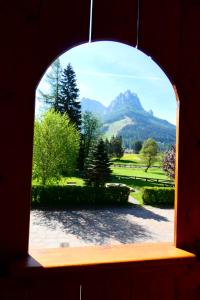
138 23
90 26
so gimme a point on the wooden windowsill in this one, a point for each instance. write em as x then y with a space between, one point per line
106 255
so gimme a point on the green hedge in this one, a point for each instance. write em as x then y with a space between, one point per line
62 196
158 196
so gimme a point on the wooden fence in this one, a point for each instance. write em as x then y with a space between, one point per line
131 166
163 182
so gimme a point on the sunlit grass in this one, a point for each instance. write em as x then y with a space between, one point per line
151 173
63 181
136 184
136 159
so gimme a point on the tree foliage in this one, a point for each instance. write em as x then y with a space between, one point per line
98 170
68 99
114 147
169 162
56 146
137 146
149 152
90 133
53 79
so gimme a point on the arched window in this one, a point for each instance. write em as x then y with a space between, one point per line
126 100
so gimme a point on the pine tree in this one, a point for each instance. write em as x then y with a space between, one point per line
116 149
98 170
69 93
53 78
137 146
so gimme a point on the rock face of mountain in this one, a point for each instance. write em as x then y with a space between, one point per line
93 106
125 116
125 102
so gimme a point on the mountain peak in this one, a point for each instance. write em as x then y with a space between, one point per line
126 117
93 106
128 100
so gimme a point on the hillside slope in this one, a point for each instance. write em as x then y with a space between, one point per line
126 116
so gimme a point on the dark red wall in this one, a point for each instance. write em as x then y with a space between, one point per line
33 33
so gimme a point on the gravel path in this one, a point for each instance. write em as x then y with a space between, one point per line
119 225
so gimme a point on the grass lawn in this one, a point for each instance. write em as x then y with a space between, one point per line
151 173
134 159
136 183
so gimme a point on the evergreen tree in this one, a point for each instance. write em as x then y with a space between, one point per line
53 78
116 149
108 148
137 146
68 99
98 170
90 130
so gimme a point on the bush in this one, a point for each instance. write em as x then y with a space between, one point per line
62 196
158 196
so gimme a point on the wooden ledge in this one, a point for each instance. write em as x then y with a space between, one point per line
101 255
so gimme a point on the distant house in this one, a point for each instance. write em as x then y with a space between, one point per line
128 151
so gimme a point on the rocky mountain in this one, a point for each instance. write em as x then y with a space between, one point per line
93 106
125 116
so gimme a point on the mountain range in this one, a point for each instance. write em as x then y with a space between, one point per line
125 116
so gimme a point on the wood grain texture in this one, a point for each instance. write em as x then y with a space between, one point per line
54 258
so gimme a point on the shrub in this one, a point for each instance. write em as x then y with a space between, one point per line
62 196
158 196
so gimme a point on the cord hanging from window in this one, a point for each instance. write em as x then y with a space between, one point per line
138 24
90 26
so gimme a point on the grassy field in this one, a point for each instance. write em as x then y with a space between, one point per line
152 172
136 160
133 159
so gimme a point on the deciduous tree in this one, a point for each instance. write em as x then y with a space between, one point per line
149 152
56 146
169 162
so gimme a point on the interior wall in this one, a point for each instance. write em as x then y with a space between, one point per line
33 33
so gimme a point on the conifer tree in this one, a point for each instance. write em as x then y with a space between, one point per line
137 146
98 170
52 78
69 93
117 147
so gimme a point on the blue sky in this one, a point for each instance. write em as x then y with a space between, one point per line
105 69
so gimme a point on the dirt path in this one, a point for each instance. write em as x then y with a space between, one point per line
119 225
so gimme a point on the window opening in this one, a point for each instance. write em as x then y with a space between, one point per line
103 173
